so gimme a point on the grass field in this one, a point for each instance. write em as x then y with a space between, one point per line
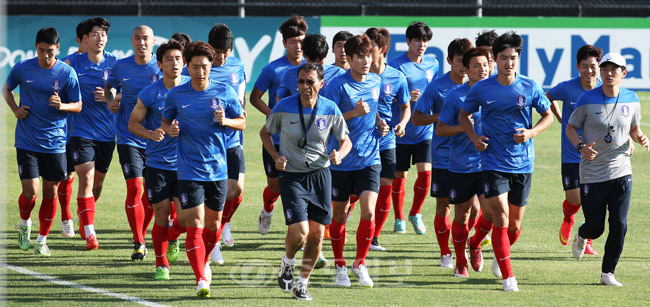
407 274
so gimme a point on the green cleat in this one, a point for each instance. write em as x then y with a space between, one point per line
418 225
400 226
162 273
41 249
173 250
203 288
321 262
23 236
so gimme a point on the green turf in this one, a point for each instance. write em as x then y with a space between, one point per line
407 274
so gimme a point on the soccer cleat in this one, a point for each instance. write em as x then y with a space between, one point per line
565 232
510 284
285 277
461 271
476 258
139 251
496 270
486 241
173 250
67 228
608 279
361 272
264 222
341 276
91 242
589 249
321 262
207 272
162 273
446 261
23 236
375 246
300 292
418 225
41 249
400 226
578 246
203 288
216 255
226 236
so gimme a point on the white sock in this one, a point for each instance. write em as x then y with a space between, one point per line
41 239
304 281
90 230
288 261
27 222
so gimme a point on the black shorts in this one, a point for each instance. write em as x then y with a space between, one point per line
306 196
69 158
598 197
132 160
570 176
516 185
194 193
269 163
409 154
32 164
345 183
388 163
440 183
161 184
83 150
236 163
464 186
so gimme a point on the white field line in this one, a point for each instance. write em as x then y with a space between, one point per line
78 286
645 124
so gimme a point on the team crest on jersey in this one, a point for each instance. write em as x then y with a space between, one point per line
452 193
75 155
335 192
126 169
388 89
234 79
320 124
625 110
375 93
214 103
486 188
429 75
521 101
434 187
105 74
183 198
154 78
56 85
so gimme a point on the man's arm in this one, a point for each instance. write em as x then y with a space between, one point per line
468 127
170 127
19 112
112 103
267 142
345 145
587 150
524 134
71 107
258 103
360 108
555 108
238 123
637 135
135 124
443 129
405 116
421 119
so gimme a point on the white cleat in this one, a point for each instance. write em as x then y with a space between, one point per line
578 246
203 288
341 275
67 228
608 279
207 271
226 236
496 270
362 273
264 222
216 255
510 284
446 261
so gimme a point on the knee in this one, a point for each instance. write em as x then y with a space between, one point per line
514 228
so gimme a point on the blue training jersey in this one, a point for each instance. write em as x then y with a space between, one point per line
394 88
568 91
504 109
466 158
201 141
289 82
345 92
131 78
431 103
418 76
95 121
44 128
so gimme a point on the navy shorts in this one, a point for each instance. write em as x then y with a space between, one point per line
32 164
194 193
269 163
161 184
516 185
388 163
69 158
570 176
440 183
306 196
83 150
409 154
345 183
464 186
236 163
132 160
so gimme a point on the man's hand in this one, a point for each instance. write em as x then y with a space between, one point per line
220 115
522 135
55 101
383 128
174 129
21 112
399 130
588 151
99 94
336 157
114 106
480 142
643 140
361 107
157 135
415 95
280 162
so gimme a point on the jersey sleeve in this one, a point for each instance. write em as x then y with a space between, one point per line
264 80
114 77
145 97
557 92
540 101
234 108
636 117
241 89
339 127
425 103
73 89
473 100
274 121
14 77
403 95
332 93
449 112
169 112
578 116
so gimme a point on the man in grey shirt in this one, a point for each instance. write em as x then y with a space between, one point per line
608 116
305 180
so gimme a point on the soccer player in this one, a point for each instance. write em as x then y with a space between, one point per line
293 32
608 116
484 41
49 90
427 111
415 146
357 95
506 101
305 180
160 171
569 91
132 74
91 132
198 113
181 38
394 89
338 43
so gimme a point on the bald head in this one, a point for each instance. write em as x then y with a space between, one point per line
142 41
143 28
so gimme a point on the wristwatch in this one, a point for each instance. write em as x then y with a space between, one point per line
580 145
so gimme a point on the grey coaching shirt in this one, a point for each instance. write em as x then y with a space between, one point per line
593 114
285 118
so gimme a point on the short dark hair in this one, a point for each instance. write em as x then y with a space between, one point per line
47 35
380 36
472 53
486 38
171 44
82 29
292 27
419 30
341 36
314 47
458 47
99 22
359 45
589 51
507 40
182 39
198 48
220 37
307 67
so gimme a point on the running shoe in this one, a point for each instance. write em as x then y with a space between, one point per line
510 284
476 258
300 292
162 273
41 249
285 276
361 272
486 241
446 261
496 270
341 276
23 236
418 224
461 271
91 242
589 249
578 246
173 250
264 222
608 279
202 288
226 236
216 255
565 232
321 262
400 226
375 246
139 251
67 228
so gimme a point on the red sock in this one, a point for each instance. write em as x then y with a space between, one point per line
398 197
569 211
442 226
176 230
269 198
195 249
420 191
483 227
337 235
365 231
46 215
159 236
382 208
352 203
459 233
148 213
65 194
472 222
86 213
227 210
513 236
172 211
235 205
501 248
26 206
209 241
134 208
